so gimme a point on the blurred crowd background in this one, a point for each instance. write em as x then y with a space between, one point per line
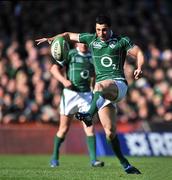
28 92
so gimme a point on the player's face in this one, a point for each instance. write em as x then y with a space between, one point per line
103 31
82 47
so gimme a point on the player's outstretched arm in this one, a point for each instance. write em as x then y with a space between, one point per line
69 36
41 40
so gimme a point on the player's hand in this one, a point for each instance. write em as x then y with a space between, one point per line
39 41
137 73
67 84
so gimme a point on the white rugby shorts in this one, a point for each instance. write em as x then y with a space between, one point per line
122 91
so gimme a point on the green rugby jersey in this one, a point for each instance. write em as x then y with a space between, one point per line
80 69
108 57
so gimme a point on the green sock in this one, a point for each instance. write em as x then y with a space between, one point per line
96 102
91 144
117 150
57 143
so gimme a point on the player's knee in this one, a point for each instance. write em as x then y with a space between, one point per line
89 131
98 87
63 131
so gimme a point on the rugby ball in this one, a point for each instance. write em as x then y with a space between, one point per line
59 49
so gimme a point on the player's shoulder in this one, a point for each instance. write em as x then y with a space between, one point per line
124 38
119 37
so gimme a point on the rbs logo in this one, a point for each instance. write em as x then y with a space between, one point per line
151 144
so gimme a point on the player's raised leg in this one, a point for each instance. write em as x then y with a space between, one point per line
104 89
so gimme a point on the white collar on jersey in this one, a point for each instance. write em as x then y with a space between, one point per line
82 54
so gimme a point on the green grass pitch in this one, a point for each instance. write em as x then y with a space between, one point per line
77 167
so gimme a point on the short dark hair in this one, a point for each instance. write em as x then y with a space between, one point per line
103 19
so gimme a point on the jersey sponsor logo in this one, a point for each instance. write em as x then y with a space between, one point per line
85 74
107 62
97 45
